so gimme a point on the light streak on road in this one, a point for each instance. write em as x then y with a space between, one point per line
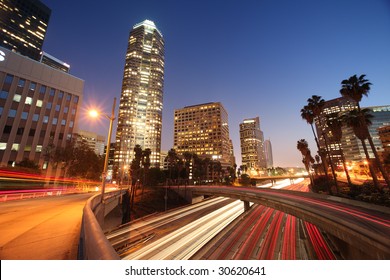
184 242
288 251
321 248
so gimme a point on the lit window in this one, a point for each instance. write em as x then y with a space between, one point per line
44 166
3 146
15 147
39 103
28 100
39 148
17 97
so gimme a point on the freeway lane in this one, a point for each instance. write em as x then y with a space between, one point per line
356 223
41 229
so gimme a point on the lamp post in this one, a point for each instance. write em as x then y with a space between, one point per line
111 118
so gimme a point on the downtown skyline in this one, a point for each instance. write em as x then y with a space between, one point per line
259 59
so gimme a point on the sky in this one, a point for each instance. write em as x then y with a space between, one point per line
257 57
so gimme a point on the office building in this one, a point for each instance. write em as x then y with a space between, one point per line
203 129
54 62
23 25
349 142
252 144
141 102
38 106
268 153
384 136
94 141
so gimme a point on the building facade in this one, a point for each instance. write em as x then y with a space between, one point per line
54 62
23 26
203 129
268 153
349 142
141 102
94 141
350 145
252 144
39 108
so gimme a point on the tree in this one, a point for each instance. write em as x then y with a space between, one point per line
334 123
354 88
307 159
28 164
358 121
316 104
308 115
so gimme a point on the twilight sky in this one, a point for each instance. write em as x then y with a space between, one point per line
258 57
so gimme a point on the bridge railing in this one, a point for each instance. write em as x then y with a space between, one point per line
93 244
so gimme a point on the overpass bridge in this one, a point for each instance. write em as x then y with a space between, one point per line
361 228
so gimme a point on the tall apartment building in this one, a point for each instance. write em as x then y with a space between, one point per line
38 109
203 129
23 25
141 102
252 144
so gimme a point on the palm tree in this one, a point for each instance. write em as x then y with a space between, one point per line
303 147
355 87
335 124
358 123
308 115
316 104
146 164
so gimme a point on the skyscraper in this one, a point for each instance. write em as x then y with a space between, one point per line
268 153
23 26
203 129
252 144
140 108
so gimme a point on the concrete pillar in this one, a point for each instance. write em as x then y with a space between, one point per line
246 205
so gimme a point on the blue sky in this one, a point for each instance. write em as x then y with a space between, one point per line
259 58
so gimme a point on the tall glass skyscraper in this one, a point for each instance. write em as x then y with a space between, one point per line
23 26
141 102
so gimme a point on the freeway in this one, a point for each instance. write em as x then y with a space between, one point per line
362 225
41 228
217 228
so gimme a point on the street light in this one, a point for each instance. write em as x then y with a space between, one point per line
94 114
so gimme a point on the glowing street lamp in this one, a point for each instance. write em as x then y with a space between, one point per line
95 114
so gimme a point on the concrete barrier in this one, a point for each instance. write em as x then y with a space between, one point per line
93 244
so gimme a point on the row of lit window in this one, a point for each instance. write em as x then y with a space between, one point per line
15 147
42 90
